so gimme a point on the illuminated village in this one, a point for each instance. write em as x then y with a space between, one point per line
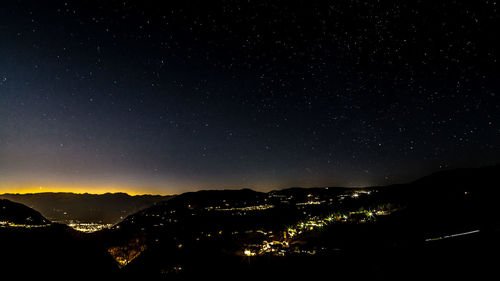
315 212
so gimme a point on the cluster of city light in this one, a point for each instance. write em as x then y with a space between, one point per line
248 208
173 269
313 223
358 192
249 253
89 227
122 261
317 222
123 255
17 225
279 247
309 203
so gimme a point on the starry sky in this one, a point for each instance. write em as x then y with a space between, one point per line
173 96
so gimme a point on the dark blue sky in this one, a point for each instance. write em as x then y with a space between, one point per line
162 98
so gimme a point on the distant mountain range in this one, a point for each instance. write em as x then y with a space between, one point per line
106 208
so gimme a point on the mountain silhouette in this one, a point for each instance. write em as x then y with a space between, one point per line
107 208
16 213
35 248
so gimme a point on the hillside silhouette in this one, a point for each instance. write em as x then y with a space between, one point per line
20 214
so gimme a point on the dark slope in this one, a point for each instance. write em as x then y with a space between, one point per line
181 217
34 248
482 178
187 204
450 200
53 252
20 214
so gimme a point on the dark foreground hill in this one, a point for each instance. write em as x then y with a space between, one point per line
87 208
33 248
15 213
55 252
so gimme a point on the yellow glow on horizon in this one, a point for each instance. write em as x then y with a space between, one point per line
97 189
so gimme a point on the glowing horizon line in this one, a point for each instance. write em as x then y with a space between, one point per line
80 190
83 193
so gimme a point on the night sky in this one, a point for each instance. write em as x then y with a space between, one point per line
144 97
